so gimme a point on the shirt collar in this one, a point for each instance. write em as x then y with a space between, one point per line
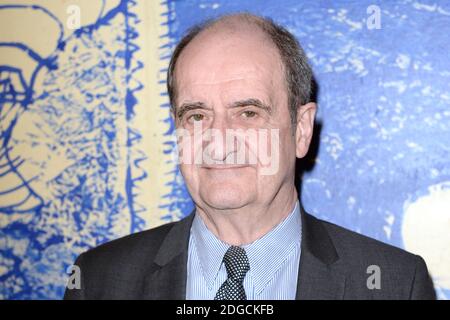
210 250
279 242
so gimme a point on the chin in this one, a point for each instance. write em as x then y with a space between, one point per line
225 197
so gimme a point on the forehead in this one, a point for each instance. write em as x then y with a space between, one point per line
232 60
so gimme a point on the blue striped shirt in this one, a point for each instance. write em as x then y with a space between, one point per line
274 261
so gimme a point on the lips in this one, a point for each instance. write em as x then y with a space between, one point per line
224 167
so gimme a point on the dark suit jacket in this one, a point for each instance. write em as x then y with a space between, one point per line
333 265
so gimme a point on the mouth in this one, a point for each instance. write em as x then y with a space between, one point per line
224 167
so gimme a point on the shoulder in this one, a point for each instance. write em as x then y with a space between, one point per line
116 270
403 274
136 250
350 244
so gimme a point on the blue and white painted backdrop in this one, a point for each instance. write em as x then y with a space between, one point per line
86 140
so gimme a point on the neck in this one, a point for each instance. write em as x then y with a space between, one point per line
249 223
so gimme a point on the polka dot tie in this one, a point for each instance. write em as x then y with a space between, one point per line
236 263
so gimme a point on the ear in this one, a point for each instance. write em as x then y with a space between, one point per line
304 128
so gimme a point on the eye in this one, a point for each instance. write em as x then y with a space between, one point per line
249 114
196 117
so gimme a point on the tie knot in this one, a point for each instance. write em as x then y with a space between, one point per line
236 263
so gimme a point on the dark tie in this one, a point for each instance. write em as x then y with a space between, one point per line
236 263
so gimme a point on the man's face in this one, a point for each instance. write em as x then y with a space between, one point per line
234 81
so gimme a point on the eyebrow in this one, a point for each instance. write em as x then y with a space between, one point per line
252 102
188 106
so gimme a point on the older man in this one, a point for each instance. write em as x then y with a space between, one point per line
248 237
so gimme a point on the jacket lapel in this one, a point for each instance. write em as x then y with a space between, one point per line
319 274
167 277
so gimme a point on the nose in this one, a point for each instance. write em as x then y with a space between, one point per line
220 148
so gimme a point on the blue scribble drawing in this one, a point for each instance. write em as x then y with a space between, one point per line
16 93
64 115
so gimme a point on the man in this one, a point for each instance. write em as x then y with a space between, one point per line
248 237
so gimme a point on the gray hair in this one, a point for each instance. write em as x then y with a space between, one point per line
298 73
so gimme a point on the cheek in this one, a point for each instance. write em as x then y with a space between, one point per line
288 148
274 149
189 146
190 175
279 160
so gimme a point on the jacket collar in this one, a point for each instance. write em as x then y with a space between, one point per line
319 276
167 276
